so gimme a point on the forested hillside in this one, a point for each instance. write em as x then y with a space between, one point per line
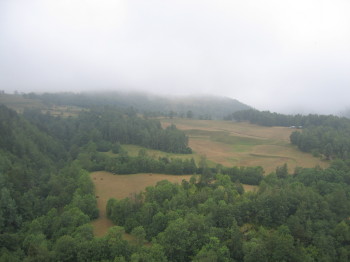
107 127
46 194
199 107
47 197
320 134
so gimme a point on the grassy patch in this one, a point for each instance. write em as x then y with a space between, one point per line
243 144
250 188
109 186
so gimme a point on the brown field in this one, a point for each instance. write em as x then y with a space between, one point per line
243 144
109 186
250 188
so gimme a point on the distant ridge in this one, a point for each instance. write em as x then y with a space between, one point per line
207 106
194 106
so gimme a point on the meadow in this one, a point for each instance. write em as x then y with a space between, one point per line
243 144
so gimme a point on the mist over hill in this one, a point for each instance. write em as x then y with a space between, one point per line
195 106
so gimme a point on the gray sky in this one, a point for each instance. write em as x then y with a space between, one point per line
279 55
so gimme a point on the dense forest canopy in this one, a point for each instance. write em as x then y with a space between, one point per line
47 196
293 217
107 126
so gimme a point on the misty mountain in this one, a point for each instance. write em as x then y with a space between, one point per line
200 107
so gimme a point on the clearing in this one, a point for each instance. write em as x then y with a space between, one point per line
109 186
243 144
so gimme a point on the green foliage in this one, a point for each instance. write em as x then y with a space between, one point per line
105 128
140 234
291 217
176 240
125 164
245 175
65 249
212 252
154 253
47 200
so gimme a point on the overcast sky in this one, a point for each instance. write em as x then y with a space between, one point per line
279 55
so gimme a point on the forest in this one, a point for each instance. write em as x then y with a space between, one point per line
47 197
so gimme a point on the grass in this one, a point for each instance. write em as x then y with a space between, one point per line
243 144
109 186
250 188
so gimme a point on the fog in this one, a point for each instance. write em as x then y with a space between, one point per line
289 56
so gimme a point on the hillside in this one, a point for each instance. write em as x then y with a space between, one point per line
199 107
48 200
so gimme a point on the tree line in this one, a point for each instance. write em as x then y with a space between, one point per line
325 135
109 126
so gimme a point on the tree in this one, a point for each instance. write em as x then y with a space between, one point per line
328 151
189 114
282 171
140 234
9 217
65 249
116 245
175 240
152 253
214 251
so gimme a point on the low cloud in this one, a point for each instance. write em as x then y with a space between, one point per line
286 56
